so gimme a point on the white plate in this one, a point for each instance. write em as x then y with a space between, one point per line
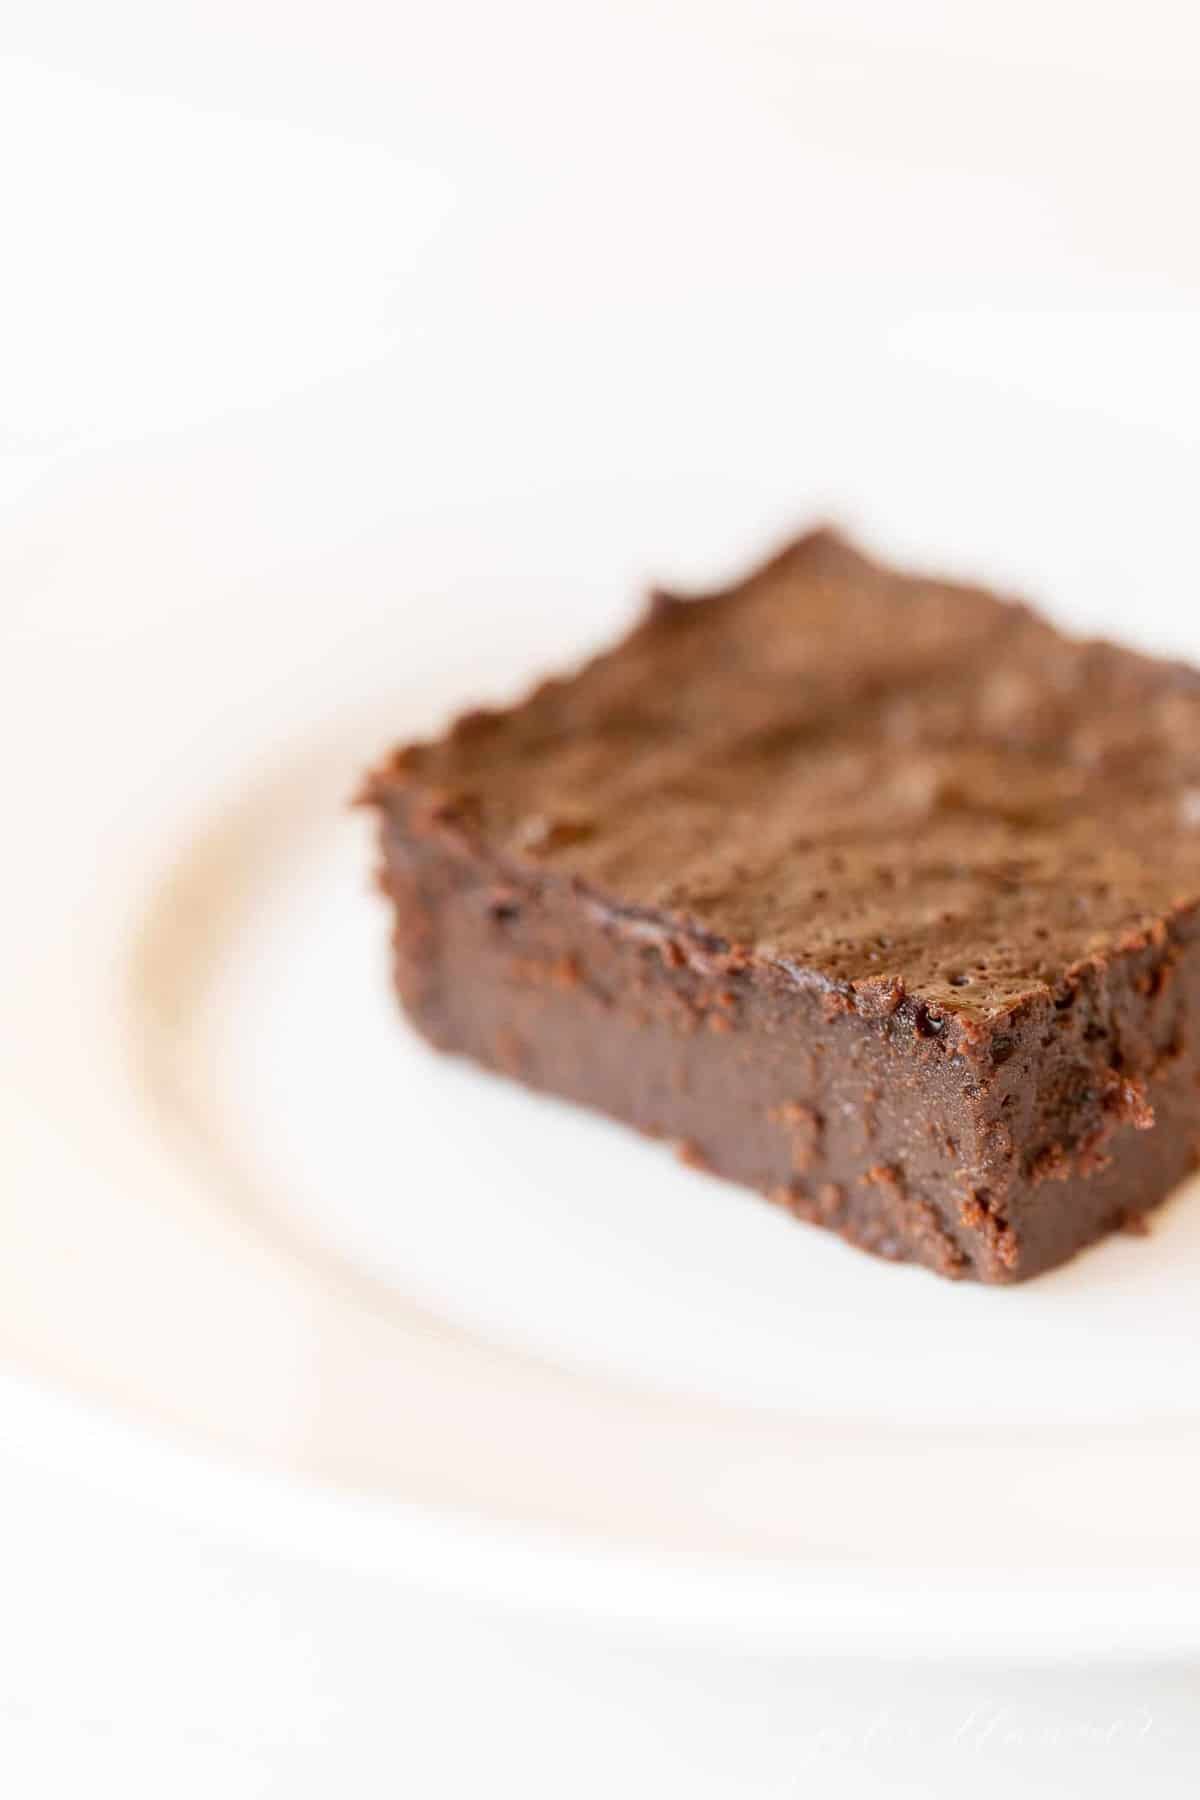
355 1297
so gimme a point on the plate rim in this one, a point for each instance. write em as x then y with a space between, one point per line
770 1600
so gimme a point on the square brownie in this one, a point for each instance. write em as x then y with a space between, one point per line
872 892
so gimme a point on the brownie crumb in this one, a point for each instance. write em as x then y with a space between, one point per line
540 835
803 1125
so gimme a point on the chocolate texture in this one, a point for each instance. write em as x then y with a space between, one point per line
870 891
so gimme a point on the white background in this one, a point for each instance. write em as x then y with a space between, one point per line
280 280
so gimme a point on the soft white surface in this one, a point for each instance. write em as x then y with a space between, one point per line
313 319
155 1656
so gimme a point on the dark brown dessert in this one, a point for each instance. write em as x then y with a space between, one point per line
872 892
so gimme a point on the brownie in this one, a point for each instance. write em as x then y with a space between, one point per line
870 891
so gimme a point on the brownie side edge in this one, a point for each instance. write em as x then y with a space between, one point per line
1090 1095
861 1124
1060 1124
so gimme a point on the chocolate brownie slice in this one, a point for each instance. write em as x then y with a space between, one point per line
873 892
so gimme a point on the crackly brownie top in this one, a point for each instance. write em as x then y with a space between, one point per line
852 771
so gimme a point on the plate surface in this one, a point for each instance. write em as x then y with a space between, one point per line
400 1312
